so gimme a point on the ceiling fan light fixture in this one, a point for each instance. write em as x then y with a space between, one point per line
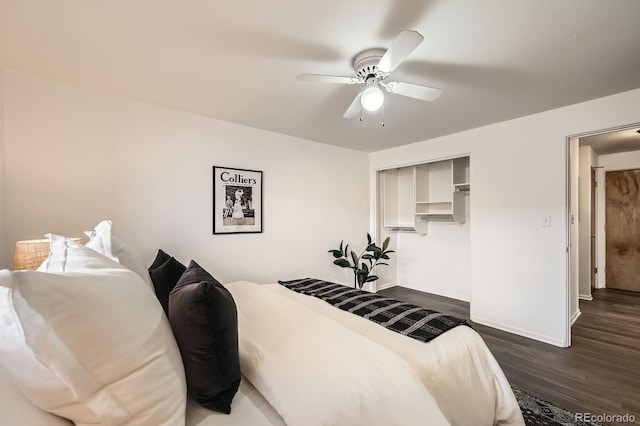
372 98
372 67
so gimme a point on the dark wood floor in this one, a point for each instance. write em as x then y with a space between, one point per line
599 373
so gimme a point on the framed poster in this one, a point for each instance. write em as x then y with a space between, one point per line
237 200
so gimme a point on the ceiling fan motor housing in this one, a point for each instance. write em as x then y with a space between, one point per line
366 64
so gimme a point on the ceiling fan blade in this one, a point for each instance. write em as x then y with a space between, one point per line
402 46
355 107
424 93
319 78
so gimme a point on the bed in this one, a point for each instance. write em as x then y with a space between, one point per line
248 408
113 358
463 377
457 368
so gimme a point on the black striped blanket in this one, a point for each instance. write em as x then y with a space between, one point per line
404 318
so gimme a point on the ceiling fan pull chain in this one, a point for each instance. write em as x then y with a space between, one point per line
382 123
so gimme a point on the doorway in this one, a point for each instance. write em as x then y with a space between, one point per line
589 155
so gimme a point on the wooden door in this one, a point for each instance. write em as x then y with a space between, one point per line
623 229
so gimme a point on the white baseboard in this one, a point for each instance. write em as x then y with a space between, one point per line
520 332
427 290
454 296
585 297
444 294
385 285
575 316
449 295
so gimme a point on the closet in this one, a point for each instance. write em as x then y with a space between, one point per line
424 208
414 195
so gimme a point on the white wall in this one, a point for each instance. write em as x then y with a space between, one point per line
3 243
587 160
611 162
75 156
446 241
518 174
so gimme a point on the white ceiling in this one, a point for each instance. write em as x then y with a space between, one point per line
238 61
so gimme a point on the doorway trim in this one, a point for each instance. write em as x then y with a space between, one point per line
568 211
593 231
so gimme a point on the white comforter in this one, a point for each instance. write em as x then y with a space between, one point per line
315 371
248 408
457 368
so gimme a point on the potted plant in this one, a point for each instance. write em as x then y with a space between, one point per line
364 264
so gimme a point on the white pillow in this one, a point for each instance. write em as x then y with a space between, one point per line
90 343
15 409
66 255
102 241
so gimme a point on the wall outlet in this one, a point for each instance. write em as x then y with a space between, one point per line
546 220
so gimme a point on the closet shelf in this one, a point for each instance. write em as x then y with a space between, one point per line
396 228
414 195
434 202
437 216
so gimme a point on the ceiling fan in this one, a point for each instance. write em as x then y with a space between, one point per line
372 67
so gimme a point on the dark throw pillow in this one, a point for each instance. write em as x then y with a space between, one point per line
161 257
165 271
204 319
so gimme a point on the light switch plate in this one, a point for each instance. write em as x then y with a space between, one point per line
546 220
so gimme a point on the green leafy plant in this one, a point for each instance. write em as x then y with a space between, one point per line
364 264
